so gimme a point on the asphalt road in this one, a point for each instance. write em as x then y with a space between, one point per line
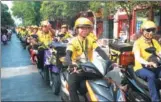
20 80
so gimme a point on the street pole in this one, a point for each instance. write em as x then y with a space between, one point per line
105 33
105 22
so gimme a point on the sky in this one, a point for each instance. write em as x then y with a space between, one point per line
9 4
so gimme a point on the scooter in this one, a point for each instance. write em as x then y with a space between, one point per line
4 39
23 40
137 88
53 65
97 89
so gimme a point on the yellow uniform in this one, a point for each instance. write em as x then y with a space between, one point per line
39 33
67 35
76 47
29 32
92 36
45 38
23 33
140 45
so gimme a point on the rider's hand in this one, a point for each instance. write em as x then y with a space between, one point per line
151 65
73 68
115 65
49 26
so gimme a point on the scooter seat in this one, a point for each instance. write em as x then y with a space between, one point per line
138 80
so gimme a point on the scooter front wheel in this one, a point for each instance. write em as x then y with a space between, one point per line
56 84
64 98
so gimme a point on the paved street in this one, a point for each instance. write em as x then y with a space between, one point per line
20 80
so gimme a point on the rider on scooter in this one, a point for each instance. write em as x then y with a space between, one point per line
45 38
80 47
64 34
141 56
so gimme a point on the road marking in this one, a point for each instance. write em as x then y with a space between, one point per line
16 71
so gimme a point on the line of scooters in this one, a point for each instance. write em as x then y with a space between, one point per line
55 74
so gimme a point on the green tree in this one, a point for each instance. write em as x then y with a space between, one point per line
52 9
74 7
61 9
6 19
28 11
109 8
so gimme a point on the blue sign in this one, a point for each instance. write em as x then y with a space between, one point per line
138 25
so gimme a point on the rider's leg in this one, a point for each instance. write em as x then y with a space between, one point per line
74 82
40 58
151 79
158 72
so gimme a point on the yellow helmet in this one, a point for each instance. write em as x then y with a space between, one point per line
82 21
64 26
35 27
32 26
23 27
44 23
148 24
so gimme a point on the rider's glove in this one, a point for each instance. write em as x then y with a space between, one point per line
151 65
72 68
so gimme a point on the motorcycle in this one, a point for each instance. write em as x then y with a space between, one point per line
23 40
52 65
96 89
137 88
4 39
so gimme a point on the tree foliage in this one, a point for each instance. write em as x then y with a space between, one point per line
28 11
6 19
109 7
74 7
150 6
52 9
61 9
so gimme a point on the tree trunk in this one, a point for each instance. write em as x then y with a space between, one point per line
151 13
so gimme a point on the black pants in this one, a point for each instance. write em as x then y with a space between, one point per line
40 58
74 83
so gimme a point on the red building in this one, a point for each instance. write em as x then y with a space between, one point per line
121 19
